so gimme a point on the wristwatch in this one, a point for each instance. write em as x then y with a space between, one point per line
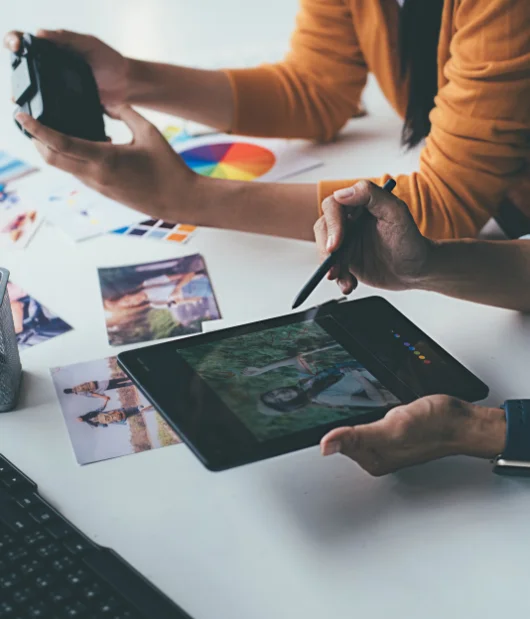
515 460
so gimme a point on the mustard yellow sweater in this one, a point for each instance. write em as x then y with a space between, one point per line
480 138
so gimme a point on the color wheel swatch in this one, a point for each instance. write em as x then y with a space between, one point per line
231 160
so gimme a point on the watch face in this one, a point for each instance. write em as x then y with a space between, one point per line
513 468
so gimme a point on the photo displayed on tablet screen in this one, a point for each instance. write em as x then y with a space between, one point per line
287 379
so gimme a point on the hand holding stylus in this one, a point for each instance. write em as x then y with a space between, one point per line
341 230
384 247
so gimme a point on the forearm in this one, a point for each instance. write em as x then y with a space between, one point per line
286 210
198 95
489 272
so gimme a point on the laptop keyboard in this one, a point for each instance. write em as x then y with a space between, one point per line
50 570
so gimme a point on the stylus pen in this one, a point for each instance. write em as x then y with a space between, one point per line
334 257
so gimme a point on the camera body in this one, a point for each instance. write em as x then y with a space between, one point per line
56 87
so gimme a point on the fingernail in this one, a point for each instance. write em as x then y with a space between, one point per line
330 243
333 447
342 194
343 285
21 117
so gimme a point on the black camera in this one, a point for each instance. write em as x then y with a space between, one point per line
56 87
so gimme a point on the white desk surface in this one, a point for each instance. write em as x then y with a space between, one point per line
298 536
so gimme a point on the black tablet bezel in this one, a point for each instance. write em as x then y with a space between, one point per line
215 434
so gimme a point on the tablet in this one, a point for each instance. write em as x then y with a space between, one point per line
267 388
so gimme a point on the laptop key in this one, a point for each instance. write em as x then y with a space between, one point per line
59 529
60 596
23 595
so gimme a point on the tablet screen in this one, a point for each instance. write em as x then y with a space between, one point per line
286 379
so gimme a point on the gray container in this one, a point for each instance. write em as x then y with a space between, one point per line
10 366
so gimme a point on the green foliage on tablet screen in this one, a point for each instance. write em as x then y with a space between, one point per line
311 350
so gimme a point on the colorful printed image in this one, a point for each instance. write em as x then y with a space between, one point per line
245 159
12 168
34 323
18 225
157 300
106 416
236 161
287 379
8 197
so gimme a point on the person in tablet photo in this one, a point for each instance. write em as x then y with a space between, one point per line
455 71
100 419
341 386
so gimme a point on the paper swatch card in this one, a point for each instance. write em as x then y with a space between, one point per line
80 212
12 168
244 159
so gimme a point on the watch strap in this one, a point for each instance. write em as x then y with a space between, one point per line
517 430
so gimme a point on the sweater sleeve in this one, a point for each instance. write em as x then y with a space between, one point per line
315 90
480 137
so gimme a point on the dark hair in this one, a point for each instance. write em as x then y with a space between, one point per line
298 401
88 417
419 34
305 390
68 391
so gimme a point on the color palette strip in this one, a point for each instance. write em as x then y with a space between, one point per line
158 230
417 353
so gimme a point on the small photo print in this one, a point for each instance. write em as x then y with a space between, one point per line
157 300
34 323
105 414
18 225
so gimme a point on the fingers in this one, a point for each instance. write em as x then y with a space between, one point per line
12 40
77 167
363 444
335 221
81 43
135 121
321 237
66 145
380 203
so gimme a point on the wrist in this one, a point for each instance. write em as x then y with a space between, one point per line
427 273
138 80
483 432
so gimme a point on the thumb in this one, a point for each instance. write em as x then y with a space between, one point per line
378 202
135 121
352 441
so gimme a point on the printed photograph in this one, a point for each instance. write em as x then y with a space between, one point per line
17 226
105 414
34 323
158 300
287 379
